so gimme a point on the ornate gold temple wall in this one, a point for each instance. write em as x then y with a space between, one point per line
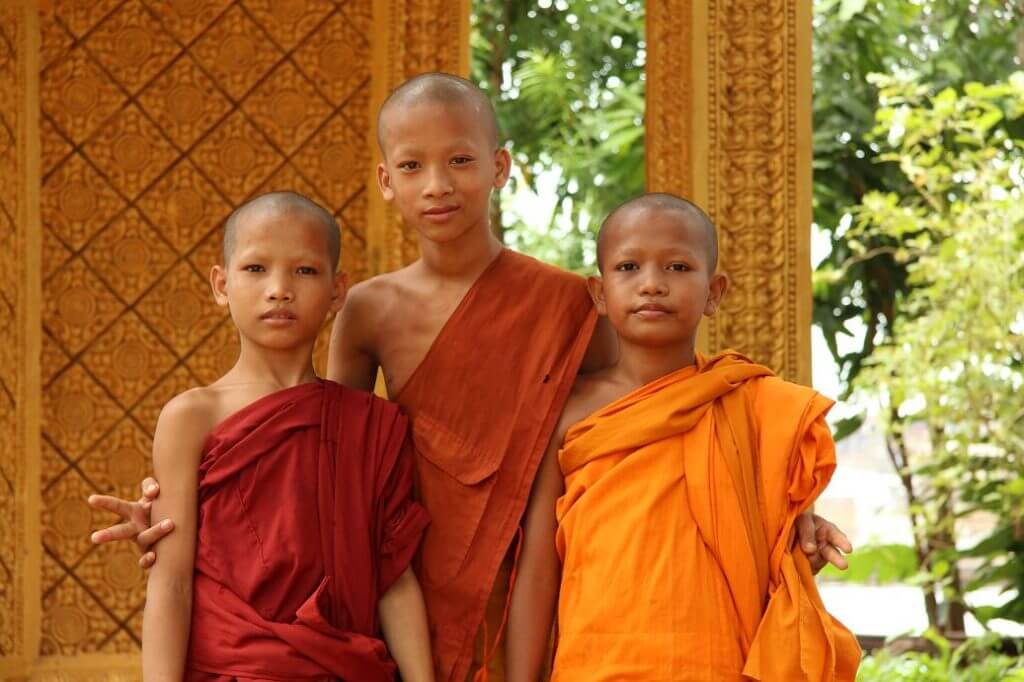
130 128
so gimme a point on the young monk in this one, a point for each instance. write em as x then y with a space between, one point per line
480 346
291 494
674 527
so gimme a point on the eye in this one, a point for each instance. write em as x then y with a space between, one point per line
628 266
254 268
409 165
679 267
461 160
306 270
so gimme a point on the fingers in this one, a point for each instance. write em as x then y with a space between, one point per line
148 537
829 533
147 560
805 533
834 557
150 488
122 531
817 562
115 505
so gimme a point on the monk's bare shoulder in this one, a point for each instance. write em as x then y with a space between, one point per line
374 301
185 422
195 407
590 392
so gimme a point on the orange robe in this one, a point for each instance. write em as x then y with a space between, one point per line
676 533
305 520
483 405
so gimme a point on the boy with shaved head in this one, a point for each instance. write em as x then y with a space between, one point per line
679 482
480 346
292 495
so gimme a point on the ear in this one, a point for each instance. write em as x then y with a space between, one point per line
384 182
340 290
502 167
219 284
717 287
595 285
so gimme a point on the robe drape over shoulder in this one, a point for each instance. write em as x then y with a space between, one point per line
676 534
305 520
483 404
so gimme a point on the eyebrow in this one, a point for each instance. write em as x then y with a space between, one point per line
686 251
460 145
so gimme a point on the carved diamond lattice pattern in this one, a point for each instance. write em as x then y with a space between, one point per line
158 117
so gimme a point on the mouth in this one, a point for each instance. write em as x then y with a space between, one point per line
651 311
278 317
440 213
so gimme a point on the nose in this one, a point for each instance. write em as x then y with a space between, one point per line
439 182
279 289
653 284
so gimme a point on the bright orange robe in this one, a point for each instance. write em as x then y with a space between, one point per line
676 533
483 405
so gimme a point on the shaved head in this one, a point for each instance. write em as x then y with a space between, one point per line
662 201
444 89
282 203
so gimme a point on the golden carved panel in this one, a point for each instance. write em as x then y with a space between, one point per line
733 96
157 118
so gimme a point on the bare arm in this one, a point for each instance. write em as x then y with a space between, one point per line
403 617
350 357
177 447
535 593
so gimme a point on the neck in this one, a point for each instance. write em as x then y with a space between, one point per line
283 368
462 258
640 365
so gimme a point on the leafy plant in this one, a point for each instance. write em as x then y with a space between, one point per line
954 360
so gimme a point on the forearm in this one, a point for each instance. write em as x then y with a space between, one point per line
531 615
165 629
403 619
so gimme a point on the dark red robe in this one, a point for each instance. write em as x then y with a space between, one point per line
305 520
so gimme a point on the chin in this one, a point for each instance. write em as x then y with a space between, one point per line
655 338
444 234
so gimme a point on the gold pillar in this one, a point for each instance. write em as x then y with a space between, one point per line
729 125
19 336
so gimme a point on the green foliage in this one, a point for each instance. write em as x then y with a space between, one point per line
976 660
877 565
955 358
940 43
567 80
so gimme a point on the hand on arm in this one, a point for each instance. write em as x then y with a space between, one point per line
177 448
135 523
535 593
403 618
822 541
349 359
